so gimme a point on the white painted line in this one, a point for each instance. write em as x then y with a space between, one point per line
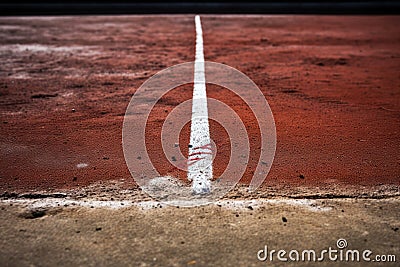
200 170
232 204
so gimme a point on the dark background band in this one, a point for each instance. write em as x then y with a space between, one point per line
17 8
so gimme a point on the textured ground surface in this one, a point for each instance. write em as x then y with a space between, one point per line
146 234
332 84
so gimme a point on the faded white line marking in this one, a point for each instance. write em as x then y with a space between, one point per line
311 205
308 204
81 165
200 170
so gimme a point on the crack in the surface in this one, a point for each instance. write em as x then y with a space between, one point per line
313 197
333 196
12 195
120 191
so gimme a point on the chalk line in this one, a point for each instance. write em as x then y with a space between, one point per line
200 170
232 204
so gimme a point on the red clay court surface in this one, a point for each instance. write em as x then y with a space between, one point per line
332 82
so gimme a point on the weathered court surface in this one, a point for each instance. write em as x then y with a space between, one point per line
67 197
